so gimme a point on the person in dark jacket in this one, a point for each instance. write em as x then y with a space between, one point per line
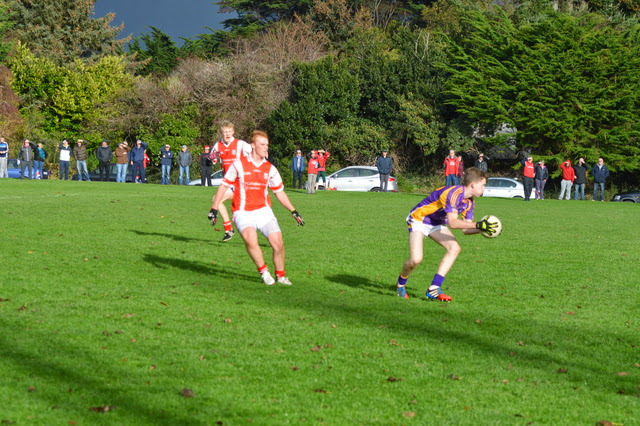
80 154
384 164
481 163
298 166
166 159
206 166
136 157
600 174
39 155
541 176
185 159
104 154
581 169
26 158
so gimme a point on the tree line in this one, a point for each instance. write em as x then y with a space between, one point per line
352 76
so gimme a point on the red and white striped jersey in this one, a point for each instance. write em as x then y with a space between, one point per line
251 183
236 149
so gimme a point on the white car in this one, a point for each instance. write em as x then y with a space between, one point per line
357 178
504 187
216 180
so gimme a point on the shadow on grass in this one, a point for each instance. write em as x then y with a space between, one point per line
26 355
174 237
229 272
362 283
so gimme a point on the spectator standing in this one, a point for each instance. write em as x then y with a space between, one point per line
298 166
185 159
542 174
322 166
80 154
384 164
451 169
65 157
600 174
206 166
528 175
481 163
4 158
26 158
39 155
166 160
568 176
580 169
136 159
122 161
460 173
104 155
312 173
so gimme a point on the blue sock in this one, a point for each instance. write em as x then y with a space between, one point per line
437 280
402 280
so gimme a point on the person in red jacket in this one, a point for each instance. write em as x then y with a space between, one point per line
322 166
568 176
451 166
528 174
312 173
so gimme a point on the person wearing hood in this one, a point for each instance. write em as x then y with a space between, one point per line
104 154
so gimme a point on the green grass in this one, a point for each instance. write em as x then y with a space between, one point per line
122 296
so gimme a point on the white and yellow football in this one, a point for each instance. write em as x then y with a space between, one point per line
492 218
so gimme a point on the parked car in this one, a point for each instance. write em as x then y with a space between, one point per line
358 178
13 169
628 197
216 180
504 187
95 174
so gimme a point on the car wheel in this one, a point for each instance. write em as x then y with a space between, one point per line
518 196
375 189
628 201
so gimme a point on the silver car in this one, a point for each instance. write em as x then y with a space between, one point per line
357 178
216 180
504 187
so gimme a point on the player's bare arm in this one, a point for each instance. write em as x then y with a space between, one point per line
283 198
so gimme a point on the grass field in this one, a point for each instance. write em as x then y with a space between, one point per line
120 305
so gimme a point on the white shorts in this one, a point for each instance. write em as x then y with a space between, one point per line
426 229
262 219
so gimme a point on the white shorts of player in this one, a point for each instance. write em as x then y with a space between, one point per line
415 226
262 219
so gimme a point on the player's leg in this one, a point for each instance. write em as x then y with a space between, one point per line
416 251
250 237
274 236
448 241
226 220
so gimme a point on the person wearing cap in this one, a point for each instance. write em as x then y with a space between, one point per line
322 166
65 157
298 166
80 154
122 161
136 159
104 155
384 164
166 156
206 166
185 159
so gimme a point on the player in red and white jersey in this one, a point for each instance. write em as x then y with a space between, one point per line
228 150
252 177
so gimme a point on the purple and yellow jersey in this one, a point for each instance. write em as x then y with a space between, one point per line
447 199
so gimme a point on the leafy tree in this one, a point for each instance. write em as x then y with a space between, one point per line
174 129
68 97
64 30
159 55
254 14
5 26
569 85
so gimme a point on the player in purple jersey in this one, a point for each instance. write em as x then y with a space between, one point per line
433 217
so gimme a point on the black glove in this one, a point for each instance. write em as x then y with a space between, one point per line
297 217
485 226
213 216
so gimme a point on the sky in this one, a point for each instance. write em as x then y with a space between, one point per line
176 18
